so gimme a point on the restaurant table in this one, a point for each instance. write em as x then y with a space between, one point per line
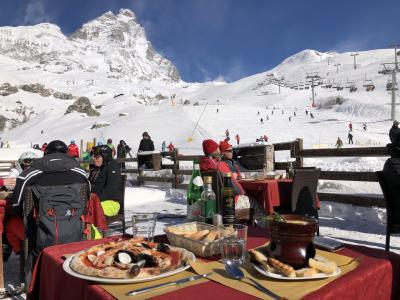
377 277
270 192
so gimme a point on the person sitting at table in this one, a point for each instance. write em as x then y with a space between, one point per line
212 161
391 169
105 178
55 168
227 156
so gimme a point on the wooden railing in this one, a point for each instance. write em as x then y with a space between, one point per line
297 153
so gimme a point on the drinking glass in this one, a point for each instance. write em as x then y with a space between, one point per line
233 244
143 225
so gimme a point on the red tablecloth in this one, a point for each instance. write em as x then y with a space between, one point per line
270 192
377 277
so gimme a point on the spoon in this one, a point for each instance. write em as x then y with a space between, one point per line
234 272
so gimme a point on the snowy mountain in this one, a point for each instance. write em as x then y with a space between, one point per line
112 46
105 80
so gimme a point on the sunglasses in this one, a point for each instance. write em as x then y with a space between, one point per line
228 150
97 156
27 161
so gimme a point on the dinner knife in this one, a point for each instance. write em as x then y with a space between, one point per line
171 283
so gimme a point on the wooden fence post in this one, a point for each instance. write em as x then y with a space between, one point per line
94 142
298 145
81 149
176 168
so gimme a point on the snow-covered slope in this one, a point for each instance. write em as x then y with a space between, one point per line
110 61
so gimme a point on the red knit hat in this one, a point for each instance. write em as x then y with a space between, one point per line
209 147
224 145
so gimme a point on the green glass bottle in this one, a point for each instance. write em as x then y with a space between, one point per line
194 194
208 201
228 205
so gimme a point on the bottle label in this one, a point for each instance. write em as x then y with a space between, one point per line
193 211
198 181
210 208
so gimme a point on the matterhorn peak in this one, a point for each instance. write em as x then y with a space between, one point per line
128 13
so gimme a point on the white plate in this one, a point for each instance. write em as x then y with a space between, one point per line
67 268
261 270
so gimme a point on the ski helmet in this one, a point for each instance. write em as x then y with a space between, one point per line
27 157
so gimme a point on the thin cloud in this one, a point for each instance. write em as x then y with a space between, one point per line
352 44
36 12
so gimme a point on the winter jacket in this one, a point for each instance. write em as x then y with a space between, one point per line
233 166
122 150
51 169
391 173
73 150
392 134
209 163
146 145
171 147
112 149
106 181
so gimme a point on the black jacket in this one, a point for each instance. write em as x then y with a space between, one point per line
146 145
391 173
122 150
51 169
106 181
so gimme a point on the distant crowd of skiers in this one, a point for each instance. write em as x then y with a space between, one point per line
121 151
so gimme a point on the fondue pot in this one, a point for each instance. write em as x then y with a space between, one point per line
292 239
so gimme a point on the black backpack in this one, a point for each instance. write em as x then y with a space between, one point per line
59 215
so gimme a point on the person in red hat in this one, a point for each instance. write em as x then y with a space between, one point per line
212 161
227 156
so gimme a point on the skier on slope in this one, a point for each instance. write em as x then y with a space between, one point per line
237 139
339 143
350 137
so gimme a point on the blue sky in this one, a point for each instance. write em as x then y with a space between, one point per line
207 39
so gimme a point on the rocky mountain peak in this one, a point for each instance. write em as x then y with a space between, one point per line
113 44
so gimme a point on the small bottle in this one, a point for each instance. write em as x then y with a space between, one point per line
228 205
194 194
208 201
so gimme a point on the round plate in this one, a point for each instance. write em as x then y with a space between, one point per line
261 270
67 268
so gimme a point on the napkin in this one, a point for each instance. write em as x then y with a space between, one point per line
288 289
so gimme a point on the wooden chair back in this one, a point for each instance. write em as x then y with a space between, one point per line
304 192
392 204
120 217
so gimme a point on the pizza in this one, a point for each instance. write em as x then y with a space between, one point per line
133 258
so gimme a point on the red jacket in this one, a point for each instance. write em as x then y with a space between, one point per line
208 163
171 147
73 150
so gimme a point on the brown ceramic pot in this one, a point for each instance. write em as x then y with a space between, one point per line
292 243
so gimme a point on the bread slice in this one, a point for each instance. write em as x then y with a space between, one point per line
322 264
262 260
198 235
178 231
213 235
282 268
306 272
